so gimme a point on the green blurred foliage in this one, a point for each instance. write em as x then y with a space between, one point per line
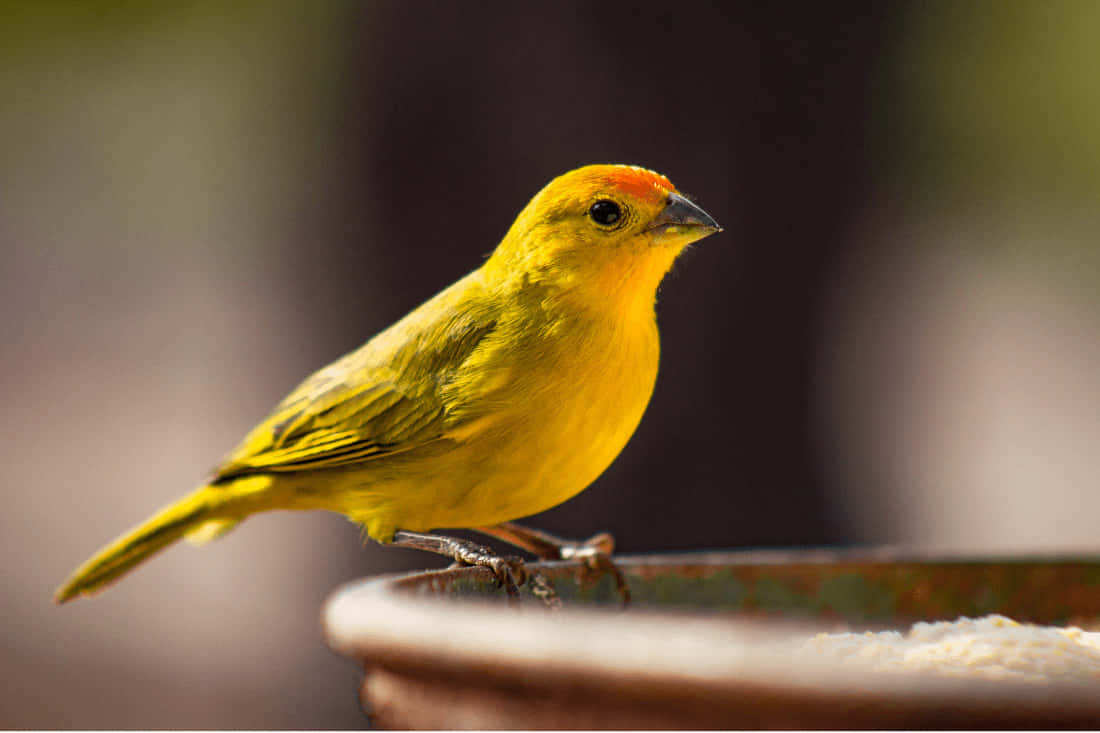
1003 96
987 131
175 107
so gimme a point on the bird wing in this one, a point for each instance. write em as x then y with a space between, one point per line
384 398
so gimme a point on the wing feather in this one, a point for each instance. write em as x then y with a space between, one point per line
386 397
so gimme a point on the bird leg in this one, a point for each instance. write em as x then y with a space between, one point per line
595 552
510 572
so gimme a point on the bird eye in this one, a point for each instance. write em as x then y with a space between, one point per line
605 213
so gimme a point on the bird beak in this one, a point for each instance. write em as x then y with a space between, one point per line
681 216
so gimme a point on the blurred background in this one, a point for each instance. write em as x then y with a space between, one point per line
896 339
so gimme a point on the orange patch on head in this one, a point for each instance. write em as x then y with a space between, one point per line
641 183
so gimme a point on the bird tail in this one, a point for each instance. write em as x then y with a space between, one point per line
204 514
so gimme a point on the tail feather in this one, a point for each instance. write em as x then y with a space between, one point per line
153 535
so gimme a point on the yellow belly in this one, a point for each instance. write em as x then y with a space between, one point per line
553 430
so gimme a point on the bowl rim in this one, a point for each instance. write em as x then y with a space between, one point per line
396 622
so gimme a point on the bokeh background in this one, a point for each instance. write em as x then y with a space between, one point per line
896 339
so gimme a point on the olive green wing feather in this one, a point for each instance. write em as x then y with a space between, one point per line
336 427
384 398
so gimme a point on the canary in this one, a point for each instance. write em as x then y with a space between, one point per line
505 394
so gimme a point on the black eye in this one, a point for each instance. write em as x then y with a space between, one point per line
605 213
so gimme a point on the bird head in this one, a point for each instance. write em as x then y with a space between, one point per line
602 231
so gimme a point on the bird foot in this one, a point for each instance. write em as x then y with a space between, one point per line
509 571
594 553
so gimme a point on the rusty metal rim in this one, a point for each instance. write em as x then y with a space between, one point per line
657 655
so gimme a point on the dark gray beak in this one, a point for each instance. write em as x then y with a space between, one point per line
679 212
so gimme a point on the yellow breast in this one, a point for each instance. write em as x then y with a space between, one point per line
554 425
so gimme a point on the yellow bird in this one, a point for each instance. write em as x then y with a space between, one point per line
504 395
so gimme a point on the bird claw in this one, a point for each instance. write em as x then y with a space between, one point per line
594 553
595 556
512 573
509 571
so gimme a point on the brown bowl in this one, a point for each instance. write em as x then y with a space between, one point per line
710 641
